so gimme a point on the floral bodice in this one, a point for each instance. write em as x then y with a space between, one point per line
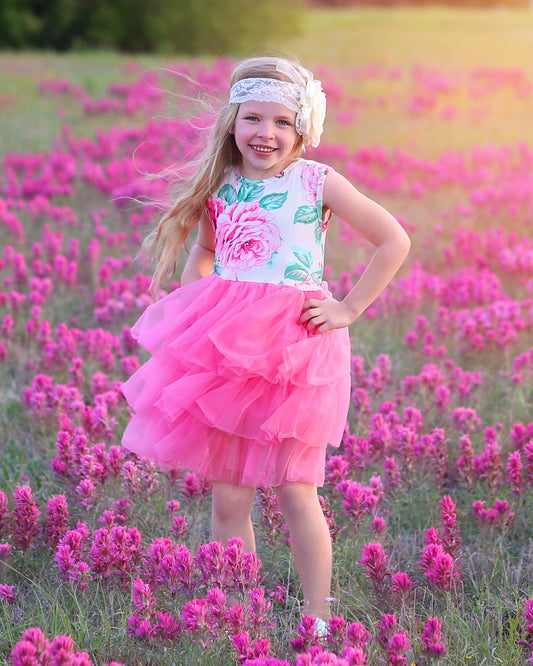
271 230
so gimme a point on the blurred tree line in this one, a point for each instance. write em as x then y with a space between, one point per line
178 26
482 4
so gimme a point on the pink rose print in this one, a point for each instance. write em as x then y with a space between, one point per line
245 237
310 178
214 208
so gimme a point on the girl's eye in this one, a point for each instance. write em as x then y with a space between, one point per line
284 122
250 118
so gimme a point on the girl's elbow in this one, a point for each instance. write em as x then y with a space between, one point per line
404 243
407 244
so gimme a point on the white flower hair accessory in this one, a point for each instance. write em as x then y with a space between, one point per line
307 99
312 112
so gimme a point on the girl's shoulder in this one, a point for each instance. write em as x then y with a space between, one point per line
305 165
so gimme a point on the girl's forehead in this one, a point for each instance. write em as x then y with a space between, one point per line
266 108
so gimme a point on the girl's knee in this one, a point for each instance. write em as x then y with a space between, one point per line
296 497
231 501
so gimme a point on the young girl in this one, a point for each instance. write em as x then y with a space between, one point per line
249 378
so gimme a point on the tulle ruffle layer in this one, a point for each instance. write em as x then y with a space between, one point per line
236 389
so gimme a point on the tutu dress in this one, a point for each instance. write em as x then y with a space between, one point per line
236 389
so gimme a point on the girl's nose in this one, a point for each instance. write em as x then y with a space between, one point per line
266 130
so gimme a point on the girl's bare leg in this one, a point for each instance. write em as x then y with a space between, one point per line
231 514
310 543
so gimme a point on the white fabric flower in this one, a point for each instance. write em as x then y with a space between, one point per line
312 112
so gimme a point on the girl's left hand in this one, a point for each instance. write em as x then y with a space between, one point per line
324 315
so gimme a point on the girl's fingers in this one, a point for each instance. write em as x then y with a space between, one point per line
309 315
311 303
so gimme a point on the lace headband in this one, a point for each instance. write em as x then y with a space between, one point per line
307 100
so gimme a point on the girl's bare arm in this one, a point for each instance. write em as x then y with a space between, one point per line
201 258
379 227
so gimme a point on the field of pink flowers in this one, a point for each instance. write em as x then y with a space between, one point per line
106 560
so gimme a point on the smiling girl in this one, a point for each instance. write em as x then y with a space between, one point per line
249 379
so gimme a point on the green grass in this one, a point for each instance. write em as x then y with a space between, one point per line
403 36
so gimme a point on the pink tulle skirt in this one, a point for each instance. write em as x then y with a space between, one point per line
236 389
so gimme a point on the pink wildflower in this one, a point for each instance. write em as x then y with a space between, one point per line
56 519
451 540
357 636
358 499
337 469
139 627
500 515
465 463
465 419
401 584
24 517
193 486
194 616
307 636
520 435
143 598
374 559
527 616
166 627
211 561
432 639
244 568
216 609
85 490
529 462
336 633
355 656
439 455
395 643
393 478
4 510
439 566
179 527
379 525
489 466
259 609
514 472
5 552
441 572
8 593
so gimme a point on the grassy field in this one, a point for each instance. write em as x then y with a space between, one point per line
430 496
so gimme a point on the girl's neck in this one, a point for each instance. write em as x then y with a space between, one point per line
254 174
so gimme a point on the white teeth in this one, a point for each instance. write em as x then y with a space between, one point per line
263 150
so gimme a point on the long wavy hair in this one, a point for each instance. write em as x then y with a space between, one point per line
164 243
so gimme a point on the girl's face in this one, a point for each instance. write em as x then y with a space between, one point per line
266 136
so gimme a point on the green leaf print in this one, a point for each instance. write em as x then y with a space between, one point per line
318 232
302 270
228 193
296 272
305 215
304 256
318 227
273 201
250 191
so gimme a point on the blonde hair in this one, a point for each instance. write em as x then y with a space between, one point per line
220 153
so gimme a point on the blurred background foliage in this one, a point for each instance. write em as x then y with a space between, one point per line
194 27
171 26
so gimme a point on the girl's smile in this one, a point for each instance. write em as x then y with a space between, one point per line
266 136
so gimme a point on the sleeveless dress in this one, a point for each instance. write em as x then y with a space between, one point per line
236 389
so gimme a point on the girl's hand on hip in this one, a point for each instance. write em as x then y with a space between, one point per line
324 315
